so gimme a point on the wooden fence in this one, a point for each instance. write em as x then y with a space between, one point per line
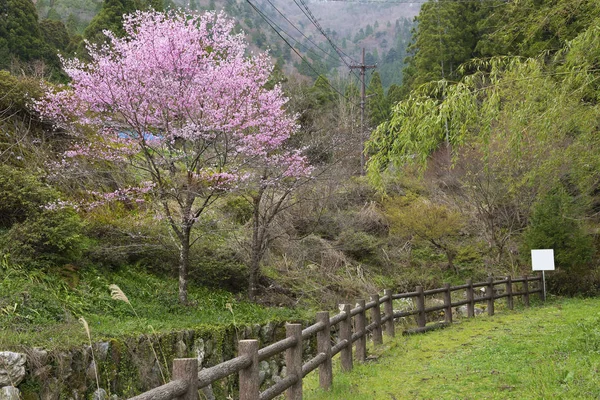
352 328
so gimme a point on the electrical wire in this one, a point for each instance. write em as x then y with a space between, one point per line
297 29
272 25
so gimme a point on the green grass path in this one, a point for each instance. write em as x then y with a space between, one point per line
547 352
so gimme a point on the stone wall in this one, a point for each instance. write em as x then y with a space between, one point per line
127 367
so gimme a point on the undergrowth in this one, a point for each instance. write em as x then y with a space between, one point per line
42 308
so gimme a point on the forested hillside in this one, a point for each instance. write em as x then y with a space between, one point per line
176 153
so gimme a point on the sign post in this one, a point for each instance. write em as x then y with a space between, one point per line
543 260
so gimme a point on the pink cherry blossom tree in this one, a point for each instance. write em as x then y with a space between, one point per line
179 99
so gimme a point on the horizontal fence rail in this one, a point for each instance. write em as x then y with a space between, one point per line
351 325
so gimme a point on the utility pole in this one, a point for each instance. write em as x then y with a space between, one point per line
363 68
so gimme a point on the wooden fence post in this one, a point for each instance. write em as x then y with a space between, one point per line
293 361
346 334
526 289
388 309
376 317
448 304
249 378
324 346
186 369
471 299
509 291
361 323
490 295
421 320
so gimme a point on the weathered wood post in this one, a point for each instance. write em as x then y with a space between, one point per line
526 290
376 318
447 304
490 295
293 361
471 299
249 377
388 309
186 369
361 324
421 320
346 334
324 346
509 292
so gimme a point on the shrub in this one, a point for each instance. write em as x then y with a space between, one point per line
33 233
51 237
554 224
358 245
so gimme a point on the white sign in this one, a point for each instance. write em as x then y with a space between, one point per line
542 260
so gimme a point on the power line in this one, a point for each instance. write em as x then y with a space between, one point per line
306 11
274 25
296 28
268 21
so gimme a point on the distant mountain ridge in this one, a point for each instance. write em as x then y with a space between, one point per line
382 29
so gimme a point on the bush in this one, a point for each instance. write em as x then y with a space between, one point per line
554 224
34 234
51 237
358 245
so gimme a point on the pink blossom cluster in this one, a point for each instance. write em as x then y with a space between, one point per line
130 194
59 205
183 78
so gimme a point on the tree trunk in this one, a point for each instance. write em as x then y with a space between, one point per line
255 256
184 262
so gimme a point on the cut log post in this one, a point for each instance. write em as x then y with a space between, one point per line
509 292
186 369
293 361
490 296
421 320
526 290
388 309
346 334
324 346
471 299
447 304
376 318
249 377
360 326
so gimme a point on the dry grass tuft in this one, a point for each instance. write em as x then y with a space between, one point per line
89 335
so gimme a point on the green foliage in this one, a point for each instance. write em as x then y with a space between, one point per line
323 92
554 224
55 33
433 223
50 237
376 103
359 245
111 14
20 34
41 308
32 233
238 208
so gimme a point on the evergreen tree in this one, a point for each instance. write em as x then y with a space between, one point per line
21 36
323 92
55 33
445 37
378 109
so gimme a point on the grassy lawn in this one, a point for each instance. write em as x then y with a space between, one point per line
547 352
